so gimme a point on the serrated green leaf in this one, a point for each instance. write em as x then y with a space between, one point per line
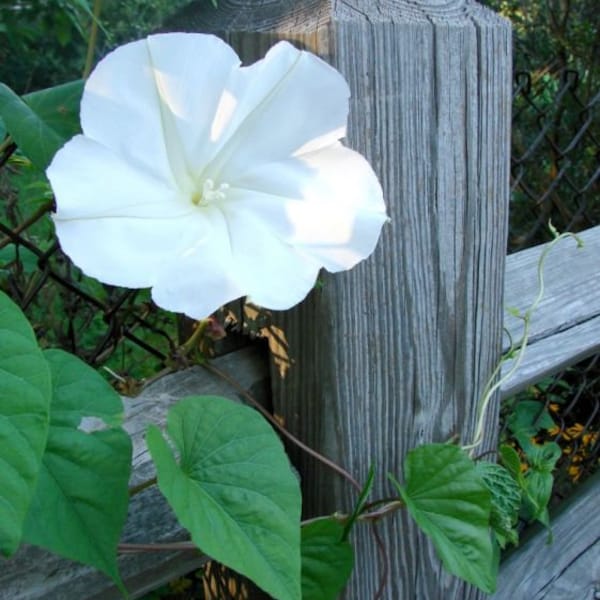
81 500
233 489
41 122
450 503
327 560
24 419
506 500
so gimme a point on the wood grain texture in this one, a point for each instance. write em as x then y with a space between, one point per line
395 353
567 569
33 574
566 326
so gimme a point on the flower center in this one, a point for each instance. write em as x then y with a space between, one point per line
209 193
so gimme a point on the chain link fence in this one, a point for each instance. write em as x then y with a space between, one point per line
555 164
555 169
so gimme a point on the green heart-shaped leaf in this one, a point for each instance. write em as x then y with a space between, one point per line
233 489
327 561
24 416
451 504
81 500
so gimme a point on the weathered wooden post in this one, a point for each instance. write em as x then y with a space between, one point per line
396 352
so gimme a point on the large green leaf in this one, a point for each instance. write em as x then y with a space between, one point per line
43 121
24 415
233 489
58 107
451 504
327 560
82 496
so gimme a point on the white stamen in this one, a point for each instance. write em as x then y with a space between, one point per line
209 193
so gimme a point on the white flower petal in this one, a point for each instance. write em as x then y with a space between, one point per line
126 251
289 102
272 273
91 181
153 100
115 222
202 278
193 75
327 204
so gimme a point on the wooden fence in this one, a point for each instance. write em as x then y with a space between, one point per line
396 352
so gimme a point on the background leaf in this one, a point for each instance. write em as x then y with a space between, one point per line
43 121
528 417
233 489
24 410
327 561
58 107
451 504
82 495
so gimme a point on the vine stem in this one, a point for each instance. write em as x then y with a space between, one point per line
267 415
490 387
186 349
372 517
89 57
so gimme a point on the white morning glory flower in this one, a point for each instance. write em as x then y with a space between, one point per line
208 181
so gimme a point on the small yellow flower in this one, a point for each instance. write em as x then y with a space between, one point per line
574 431
574 472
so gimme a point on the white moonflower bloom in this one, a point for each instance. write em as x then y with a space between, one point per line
208 181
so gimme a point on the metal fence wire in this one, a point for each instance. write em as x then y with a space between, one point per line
104 325
555 163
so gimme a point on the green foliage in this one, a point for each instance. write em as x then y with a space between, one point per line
528 417
85 475
24 420
42 42
233 490
58 107
554 33
447 498
40 123
525 419
506 501
327 560
539 478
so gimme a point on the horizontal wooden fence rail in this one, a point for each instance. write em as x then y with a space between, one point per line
566 326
